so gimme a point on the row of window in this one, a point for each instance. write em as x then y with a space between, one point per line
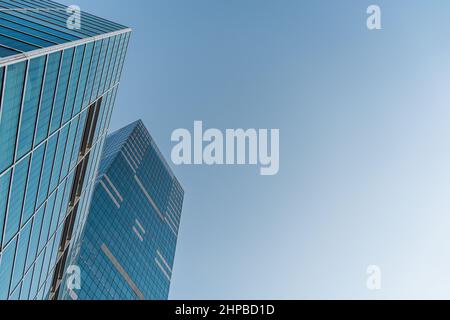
44 24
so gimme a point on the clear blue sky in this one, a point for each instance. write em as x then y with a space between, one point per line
365 149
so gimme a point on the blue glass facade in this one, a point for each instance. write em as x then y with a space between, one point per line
52 130
127 249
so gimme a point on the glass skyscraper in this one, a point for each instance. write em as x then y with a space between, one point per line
58 84
127 249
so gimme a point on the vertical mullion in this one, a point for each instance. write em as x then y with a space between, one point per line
3 92
5 74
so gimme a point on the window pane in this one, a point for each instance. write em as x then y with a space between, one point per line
65 205
108 66
116 60
47 221
6 266
46 265
4 186
33 182
62 143
92 72
17 45
51 77
68 152
36 276
31 105
76 147
15 295
57 210
19 264
16 199
101 66
58 237
34 240
47 170
26 285
122 59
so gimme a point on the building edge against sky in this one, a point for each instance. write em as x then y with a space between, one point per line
127 249
58 88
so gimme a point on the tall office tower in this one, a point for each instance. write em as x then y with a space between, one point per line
128 246
59 72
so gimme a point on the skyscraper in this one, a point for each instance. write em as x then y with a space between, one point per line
59 73
128 246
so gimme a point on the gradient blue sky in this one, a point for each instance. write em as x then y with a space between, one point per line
365 149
